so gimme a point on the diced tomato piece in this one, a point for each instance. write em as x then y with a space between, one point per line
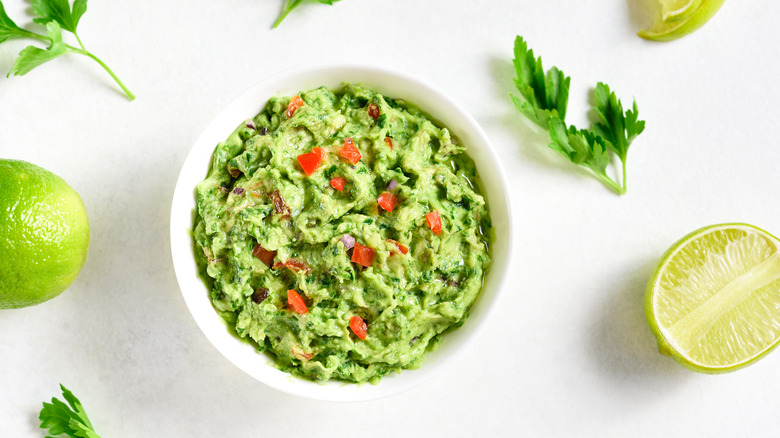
389 142
264 255
373 111
386 200
349 151
338 183
295 302
362 255
358 326
295 103
401 247
434 221
311 161
293 265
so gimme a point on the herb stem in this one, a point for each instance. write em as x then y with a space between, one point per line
36 36
281 17
83 50
129 93
624 177
611 184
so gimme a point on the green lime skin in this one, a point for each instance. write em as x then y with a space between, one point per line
672 30
44 234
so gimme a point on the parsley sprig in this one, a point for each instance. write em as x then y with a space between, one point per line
66 419
55 16
289 5
544 96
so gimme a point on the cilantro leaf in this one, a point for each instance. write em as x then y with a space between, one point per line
9 29
544 100
545 94
66 419
59 11
290 5
32 56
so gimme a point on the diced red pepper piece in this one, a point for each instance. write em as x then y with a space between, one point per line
279 205
362 255
293 265
389 142
349 151
264 255
311 161
295 103
358 326
401 247
338 183
386 200
296 303
373 111
434 221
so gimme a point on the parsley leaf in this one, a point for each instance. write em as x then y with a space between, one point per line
59 11
617 128
32 56
545 94
290 5
55 15
584 148
66 419
9 29
544 100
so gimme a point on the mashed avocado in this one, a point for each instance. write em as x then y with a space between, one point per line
343 232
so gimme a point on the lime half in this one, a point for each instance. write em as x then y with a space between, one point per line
679 18
714 300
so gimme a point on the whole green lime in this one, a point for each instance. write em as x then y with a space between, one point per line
44 234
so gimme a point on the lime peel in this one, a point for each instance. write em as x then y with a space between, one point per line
674 11
676 23
44 234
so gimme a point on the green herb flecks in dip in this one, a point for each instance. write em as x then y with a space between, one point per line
334 209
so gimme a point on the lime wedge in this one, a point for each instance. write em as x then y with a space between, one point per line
714 300
679 18
678 10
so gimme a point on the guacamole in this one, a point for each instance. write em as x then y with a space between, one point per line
342 232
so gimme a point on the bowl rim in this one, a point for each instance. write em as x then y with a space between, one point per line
279 84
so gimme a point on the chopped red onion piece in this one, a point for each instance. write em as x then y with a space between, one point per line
348 241
250 124
238 190
392 184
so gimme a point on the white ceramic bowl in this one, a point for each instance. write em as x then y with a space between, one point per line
389 83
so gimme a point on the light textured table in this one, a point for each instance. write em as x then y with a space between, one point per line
569 352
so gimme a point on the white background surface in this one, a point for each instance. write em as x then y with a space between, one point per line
569 352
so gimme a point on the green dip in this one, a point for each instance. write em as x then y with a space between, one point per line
264 227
